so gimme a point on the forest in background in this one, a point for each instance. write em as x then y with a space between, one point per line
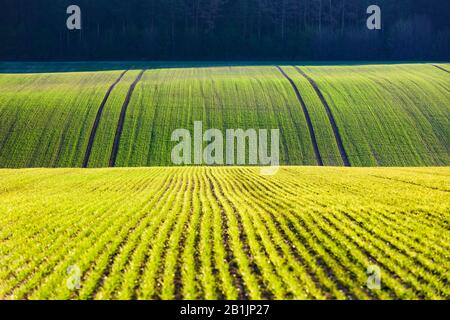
225 30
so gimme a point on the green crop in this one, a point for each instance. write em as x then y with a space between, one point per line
386 115
224 233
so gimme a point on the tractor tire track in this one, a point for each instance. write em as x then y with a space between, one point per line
337 135
410 183
441 68
87 155
308 118
115 149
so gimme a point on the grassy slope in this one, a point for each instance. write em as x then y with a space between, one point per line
45 119
322 128
104 138
222 98
166 232
389 115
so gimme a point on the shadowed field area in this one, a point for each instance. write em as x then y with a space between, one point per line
353 115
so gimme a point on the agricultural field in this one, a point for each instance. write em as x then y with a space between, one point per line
228 233
91 206
355 115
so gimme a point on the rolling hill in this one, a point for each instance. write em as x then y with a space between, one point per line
355 115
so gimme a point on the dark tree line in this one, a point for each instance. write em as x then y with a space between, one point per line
224 30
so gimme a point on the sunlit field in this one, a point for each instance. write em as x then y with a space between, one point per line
224 233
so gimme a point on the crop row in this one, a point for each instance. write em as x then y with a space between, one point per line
224 233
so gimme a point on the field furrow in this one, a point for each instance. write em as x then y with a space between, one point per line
224 233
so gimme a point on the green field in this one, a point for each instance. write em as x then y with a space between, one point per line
149 230
386 115
208 233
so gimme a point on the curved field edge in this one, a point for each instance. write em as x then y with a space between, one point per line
225 233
